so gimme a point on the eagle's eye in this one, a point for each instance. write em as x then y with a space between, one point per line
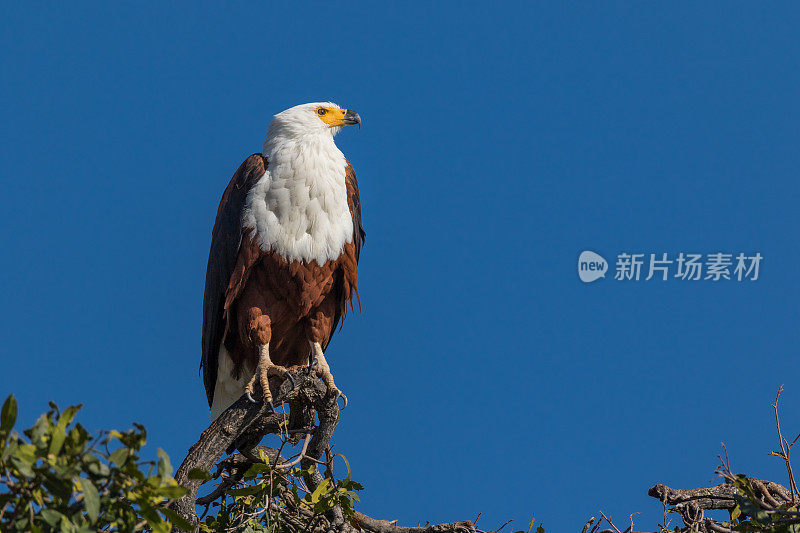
321 111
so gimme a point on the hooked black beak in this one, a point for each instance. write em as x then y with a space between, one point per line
351 117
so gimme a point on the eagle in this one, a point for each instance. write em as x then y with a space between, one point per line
283 265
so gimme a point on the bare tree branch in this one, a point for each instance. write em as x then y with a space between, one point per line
385 526
243 425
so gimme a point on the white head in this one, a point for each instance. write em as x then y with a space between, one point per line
317 119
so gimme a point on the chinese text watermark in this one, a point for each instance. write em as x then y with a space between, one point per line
717 266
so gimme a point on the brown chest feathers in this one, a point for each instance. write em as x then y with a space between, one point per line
288 305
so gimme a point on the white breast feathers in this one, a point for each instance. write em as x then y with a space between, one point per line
299 207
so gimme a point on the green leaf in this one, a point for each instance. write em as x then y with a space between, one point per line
68 414
99 469
39 430
164 466
27 453
321 489
57 440
172 492
66 526
91 499
8 415
350 494
24 458
119 456
177 519
347 464
324 505
736 512
51 516
60 432
199 473
255 469
77 438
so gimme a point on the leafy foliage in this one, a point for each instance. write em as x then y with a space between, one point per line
272 499
55 476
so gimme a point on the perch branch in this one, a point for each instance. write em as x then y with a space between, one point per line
242 426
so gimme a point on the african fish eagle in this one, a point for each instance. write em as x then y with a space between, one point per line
284 257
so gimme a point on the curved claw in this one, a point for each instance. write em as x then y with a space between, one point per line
289 375
250 397
312 363
272 406
343 397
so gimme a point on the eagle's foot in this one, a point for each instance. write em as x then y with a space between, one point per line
321 369
264 369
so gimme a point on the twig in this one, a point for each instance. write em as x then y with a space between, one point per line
501 527
785 447
609 522
300 456
631 517
716 527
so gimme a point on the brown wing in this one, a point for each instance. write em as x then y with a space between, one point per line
354 202
346 278
228 263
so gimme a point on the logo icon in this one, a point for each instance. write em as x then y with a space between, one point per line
591 266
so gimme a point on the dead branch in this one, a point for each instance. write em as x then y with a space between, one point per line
691 504
313 415
386 526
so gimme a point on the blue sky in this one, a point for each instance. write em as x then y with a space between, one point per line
497 144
